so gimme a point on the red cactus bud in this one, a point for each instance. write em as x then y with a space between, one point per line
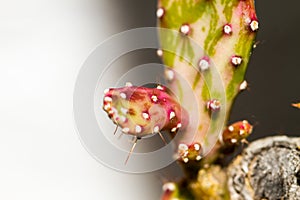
192 152
237 132
141 111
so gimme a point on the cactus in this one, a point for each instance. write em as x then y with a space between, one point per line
225 30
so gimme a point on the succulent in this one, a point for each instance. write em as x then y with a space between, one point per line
225 31
206 47
215 41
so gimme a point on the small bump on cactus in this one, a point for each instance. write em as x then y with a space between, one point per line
236 132
187 153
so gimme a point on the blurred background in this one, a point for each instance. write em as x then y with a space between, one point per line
43 44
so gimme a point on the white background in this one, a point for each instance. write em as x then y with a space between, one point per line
42 46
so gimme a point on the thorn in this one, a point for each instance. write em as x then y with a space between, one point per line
119 137
162 137
256 44
116 129
131 150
